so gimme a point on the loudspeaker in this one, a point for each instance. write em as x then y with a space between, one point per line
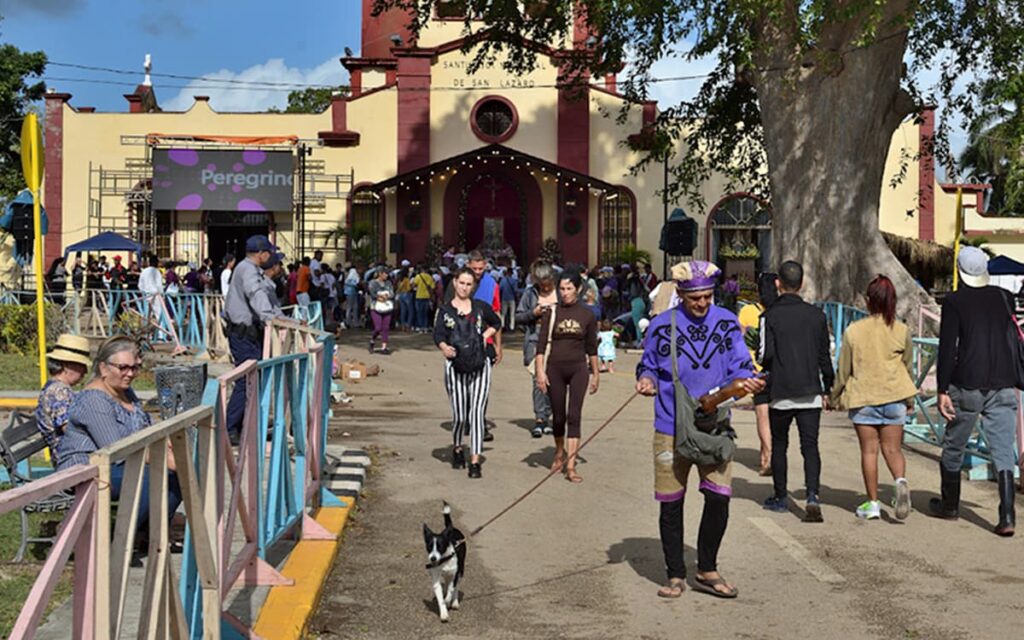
396 243
679 237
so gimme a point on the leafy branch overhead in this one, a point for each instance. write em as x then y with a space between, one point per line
962 44
20 86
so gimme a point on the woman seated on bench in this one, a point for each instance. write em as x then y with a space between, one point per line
106 411
66 365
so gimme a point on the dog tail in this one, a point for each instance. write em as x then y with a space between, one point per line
447 511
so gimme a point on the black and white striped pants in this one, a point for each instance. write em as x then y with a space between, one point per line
468 394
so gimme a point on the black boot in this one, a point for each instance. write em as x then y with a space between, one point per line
458 459
948 506
1007 515
474 470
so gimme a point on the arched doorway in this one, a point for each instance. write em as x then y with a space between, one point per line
739 234
492 215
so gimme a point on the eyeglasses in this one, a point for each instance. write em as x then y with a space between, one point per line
125 368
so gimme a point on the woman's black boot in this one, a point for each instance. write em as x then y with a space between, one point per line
458 459
1007 514
474 470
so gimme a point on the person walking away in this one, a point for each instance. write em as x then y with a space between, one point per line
699 326
328 284
567 369
535 301
247 309
874 383
424 286
57 280
794 350
750 320
507 291
353 319
406 298
460 332
382 304
606 347
78 275
976 379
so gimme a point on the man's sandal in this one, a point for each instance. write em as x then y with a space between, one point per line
674 588
708 585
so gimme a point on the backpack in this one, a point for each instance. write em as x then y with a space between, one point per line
468 342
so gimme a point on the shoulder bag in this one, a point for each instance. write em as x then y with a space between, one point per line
699 447
532 367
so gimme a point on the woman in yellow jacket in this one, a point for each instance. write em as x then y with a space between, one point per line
874 382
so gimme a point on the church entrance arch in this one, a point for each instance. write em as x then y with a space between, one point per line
492 214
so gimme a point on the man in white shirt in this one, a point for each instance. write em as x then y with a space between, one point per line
151 282
315 269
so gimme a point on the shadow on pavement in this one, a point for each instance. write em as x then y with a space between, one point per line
644 556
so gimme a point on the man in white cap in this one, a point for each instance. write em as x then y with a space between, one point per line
976 378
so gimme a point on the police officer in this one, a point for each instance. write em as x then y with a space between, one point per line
247 307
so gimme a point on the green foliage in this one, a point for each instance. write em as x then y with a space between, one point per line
435 250
19 88
364 244
995 150
629 254
18 327
758 45
310 100
551 252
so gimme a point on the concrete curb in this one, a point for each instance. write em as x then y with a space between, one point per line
287 610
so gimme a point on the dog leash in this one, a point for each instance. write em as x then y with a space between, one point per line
554 471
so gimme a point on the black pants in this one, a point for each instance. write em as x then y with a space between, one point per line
808 422
567 378
712 528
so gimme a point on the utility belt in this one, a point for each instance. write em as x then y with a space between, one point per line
253 332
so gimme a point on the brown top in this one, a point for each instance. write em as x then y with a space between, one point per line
574 336
875 364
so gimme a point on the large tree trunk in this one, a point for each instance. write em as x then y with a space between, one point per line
827 130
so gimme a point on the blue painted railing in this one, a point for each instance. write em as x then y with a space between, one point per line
839 317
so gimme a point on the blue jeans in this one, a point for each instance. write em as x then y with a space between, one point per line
242 349
423 313
173 493
352 310
406 309
998 412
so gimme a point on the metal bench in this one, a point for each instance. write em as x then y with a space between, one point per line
19 441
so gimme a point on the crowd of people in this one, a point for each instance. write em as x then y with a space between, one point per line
778 350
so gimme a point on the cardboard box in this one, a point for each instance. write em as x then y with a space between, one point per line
353 370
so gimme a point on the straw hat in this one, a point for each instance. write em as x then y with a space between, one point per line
71 348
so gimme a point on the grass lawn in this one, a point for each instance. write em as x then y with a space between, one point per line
18 372
16 580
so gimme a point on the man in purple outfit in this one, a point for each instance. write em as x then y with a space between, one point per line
711 354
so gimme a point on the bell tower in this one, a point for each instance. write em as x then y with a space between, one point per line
379 31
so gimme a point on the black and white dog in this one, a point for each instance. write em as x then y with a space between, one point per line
446 562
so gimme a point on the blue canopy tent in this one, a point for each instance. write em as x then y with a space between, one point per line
106 241
1003 266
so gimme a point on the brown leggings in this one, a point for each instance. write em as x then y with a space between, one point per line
571 377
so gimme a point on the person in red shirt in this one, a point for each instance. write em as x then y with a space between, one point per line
303 281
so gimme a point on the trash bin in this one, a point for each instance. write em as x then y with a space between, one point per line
179 388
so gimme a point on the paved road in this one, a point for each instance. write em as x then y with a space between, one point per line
584 561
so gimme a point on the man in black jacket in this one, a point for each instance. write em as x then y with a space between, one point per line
976 378
794 350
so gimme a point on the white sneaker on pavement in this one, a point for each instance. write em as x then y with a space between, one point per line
901 503
870 510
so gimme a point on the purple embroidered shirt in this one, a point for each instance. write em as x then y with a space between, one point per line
711 354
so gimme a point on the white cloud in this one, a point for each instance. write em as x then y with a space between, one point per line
227 97
672 92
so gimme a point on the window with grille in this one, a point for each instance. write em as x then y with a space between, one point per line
494 119
366 224
616 213
164 231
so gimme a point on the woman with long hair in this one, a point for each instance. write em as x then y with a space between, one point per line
460 333
874 382
566 366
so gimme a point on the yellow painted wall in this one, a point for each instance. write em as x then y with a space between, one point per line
898 205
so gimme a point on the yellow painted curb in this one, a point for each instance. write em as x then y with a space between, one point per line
18 403
287 610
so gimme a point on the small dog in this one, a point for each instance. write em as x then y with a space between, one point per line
446 562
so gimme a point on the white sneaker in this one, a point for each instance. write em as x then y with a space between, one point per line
870 510
901 503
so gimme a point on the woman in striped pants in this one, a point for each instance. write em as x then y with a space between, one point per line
460 332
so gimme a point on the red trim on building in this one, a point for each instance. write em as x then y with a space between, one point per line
489 138
377 30
339 135
413 143
53 159
926 176
580 30
573 153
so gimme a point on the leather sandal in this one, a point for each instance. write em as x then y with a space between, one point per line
707 585
673 589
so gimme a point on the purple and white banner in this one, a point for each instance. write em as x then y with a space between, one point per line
244 180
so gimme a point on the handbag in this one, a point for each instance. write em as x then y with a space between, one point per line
383 307
1016 338
707 446
532 367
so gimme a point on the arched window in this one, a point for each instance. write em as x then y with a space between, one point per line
616 215
739 228
367 225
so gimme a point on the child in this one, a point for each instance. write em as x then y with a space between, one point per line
606 347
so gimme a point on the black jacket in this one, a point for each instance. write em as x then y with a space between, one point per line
794 349
975 340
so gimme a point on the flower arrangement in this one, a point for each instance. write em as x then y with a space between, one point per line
739 252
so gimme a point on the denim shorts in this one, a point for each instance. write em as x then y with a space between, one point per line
892 413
